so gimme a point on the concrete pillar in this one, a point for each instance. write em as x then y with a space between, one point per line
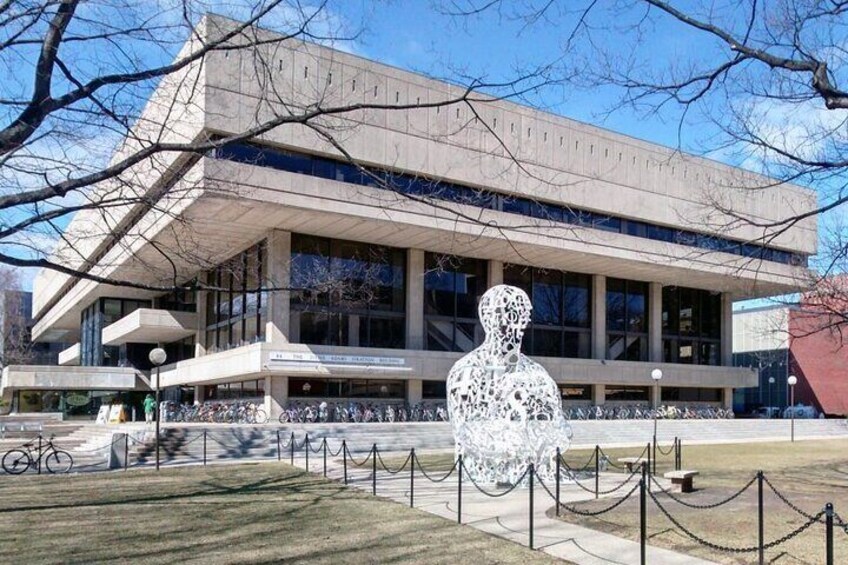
727 398
494 273
200 328
727 331
599 394
276 276
276 396
414 393
655 350
198 393
599 317
414 299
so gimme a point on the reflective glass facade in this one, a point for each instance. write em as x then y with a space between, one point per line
100 314
347 293
562 311
627 320
691 326
452 288
347 388
235 311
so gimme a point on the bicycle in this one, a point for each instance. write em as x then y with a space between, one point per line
17 461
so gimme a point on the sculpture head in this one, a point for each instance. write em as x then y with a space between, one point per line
504 313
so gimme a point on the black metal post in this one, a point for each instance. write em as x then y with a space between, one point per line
412 478
344 459
597 469
279 453
374 469
306 445
760 518
459 491
654 457
158 417
126 450
648 453
828 536
643 516
558 464
291 445
532 472
204 448
325 456
39 454
679 454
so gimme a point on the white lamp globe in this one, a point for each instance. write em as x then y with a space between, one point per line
656 374
792 380
157 356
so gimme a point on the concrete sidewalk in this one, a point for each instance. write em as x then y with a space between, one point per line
508 515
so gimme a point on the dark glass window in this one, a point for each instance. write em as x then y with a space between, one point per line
433 390
347 388
100 314
409 184
690 394
691 326
627 320
235 309
452 288
627 393
348 293
236 391
561 319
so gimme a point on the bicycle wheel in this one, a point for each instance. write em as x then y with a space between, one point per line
16 461
259 416
59 462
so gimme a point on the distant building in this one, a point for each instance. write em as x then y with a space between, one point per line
784 340
16 346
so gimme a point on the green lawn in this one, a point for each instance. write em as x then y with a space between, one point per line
808 473
257 513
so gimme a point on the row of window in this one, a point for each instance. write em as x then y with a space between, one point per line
422 187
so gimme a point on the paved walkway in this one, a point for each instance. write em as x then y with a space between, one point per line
508 516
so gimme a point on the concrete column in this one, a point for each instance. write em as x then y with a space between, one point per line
727 398
276 276
276 396
414 299
599 394
599 317
494 273
655 351
200 328
727 331
198 393
414 393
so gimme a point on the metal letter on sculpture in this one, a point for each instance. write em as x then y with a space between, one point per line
504 408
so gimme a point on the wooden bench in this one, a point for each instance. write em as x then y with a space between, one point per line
631 462
19 426
682 479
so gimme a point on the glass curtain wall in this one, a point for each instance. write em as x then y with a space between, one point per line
562 319
691 326
235 312
100 314
627 320
348 293
452 288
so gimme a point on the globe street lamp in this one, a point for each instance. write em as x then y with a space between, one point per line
157 357
792 381
656 374
771 404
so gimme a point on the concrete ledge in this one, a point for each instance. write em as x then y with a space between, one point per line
148 325
50 377
70 356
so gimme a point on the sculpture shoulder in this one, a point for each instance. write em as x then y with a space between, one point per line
466 364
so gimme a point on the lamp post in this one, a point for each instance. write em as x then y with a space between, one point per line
306 388
157 357
656 374
792 381
771 404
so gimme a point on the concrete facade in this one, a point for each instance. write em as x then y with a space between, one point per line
232 205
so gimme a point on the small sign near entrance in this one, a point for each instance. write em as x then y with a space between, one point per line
103 414
328 359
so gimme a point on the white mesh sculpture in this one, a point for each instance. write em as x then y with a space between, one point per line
504 408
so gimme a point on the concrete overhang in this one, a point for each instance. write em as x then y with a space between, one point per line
265 359
50 377
148 325
70 356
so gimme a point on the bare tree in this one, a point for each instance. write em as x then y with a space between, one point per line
15 345
93 117
768 79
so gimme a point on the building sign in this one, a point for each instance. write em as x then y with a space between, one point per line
308 358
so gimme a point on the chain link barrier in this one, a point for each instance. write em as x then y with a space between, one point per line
500 494
663 452
709 506
730 549
575 510
396 471
572 476
431 479
642 455
354 461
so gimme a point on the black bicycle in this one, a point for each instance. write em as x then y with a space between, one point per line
17 461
